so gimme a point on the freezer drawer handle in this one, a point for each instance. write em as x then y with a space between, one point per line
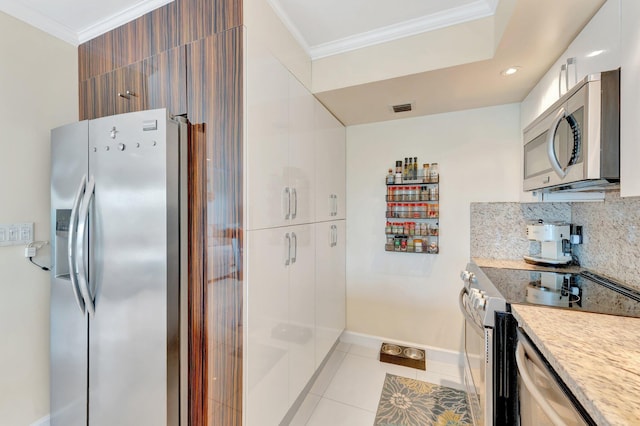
287 257
73 220
80 258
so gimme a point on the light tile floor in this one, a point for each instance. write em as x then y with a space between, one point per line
347 390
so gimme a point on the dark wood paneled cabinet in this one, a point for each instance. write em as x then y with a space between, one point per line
214 92
156 82
198 19
187 56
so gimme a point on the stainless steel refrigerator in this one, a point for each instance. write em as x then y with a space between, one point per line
118 281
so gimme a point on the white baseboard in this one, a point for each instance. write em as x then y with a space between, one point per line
433 353
45 421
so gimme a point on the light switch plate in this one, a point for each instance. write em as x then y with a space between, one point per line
16 234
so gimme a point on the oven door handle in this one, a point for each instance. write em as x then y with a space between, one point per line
521 361
467 316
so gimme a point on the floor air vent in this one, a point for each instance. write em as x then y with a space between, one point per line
402 108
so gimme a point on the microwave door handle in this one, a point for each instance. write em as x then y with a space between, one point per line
551 153
527 380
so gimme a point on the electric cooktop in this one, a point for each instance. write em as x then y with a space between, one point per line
585 291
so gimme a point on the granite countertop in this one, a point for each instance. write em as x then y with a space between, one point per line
596 355
521 264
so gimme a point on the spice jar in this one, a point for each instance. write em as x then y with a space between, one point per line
433 193
434 172
417 245
390 177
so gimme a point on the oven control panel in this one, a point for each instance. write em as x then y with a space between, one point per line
482 305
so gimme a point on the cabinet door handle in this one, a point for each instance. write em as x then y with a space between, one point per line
287 256
563 69
286 202
126 95
331 236
295 203
334 230
294 237
333 205
571 61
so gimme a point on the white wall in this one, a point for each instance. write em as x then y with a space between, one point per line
413 297
39 90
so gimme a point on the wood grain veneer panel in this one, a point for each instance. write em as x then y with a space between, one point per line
197 267
198 19
83 101
99 96
146 36
95 56
214 93
165 76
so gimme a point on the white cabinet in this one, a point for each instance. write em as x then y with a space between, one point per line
301 326
280 321
597 48
280 165
301 169
630 100
267 356
295 156
330 154
330 285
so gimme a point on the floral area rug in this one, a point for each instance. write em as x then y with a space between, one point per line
409 402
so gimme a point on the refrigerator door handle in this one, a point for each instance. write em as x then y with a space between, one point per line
73 220
80 257
294 237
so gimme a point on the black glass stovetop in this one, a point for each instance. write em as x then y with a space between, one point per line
583 292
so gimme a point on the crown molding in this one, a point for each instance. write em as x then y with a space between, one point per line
290 26
56 29
120 18
476 10
36 19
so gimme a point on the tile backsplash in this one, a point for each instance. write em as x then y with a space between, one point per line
611 233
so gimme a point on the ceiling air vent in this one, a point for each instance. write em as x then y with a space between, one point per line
402 108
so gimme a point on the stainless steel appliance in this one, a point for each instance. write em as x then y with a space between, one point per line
490 332
575 143
478 308
118 282
544 399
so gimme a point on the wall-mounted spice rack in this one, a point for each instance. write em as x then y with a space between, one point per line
413 210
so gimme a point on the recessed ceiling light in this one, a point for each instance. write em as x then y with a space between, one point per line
510 71
595 53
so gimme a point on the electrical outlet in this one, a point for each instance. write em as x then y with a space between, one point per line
13 234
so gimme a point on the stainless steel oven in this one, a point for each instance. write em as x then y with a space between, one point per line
478 342
479 306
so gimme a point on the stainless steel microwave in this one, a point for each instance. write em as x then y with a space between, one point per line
575 143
